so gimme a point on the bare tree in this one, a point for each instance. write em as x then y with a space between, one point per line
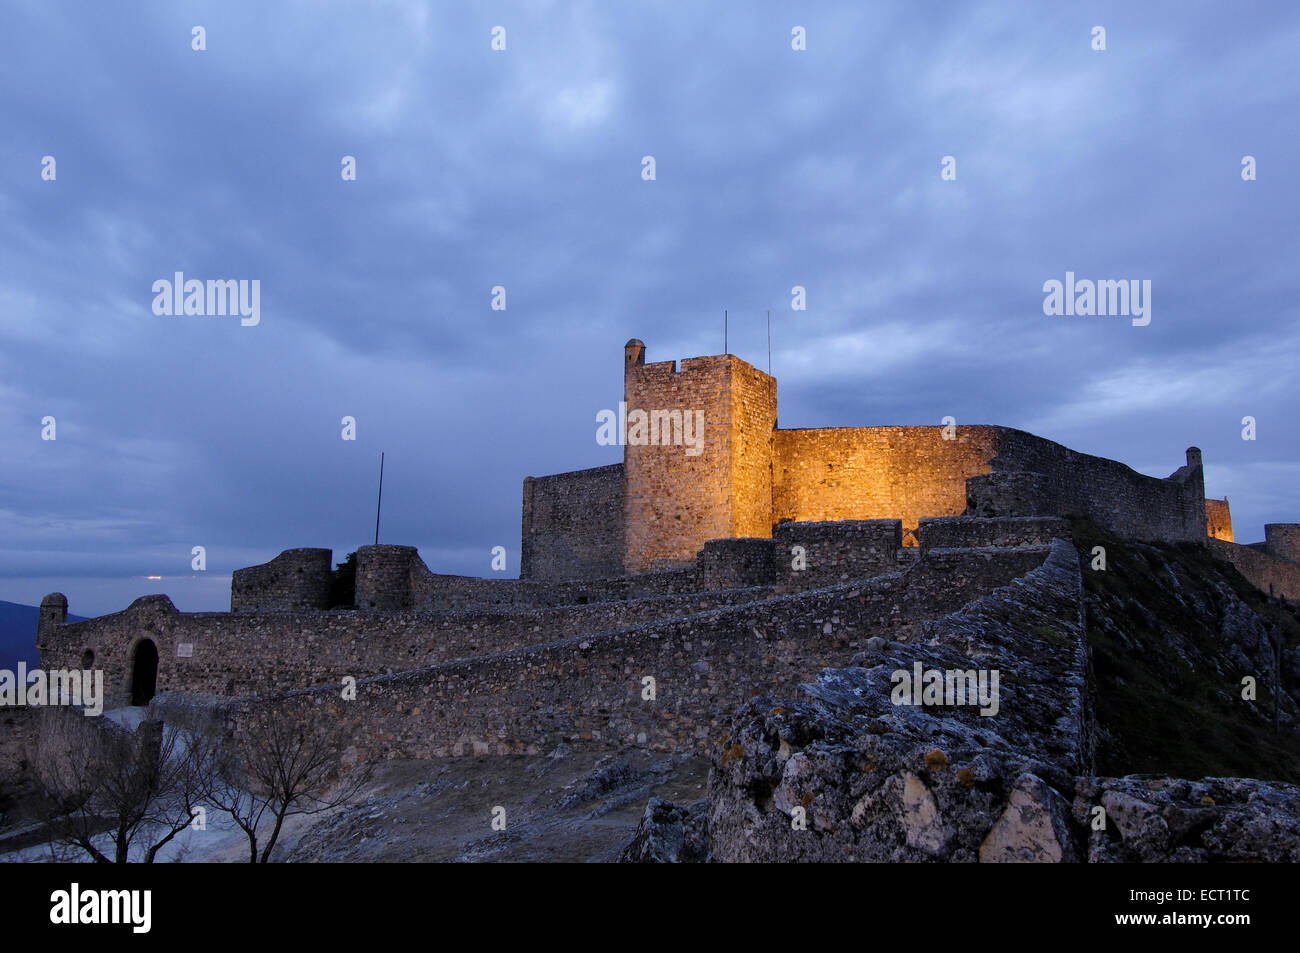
134 787
277 766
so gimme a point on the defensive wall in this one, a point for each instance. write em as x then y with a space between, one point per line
423 619
410 618
592 690
296 579
258 652
573 525
1031 476
395 577
1272 566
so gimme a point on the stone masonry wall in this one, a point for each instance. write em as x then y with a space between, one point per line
1218 520
750 477
18 729
753 417
732 563
835 553
673 502
573 525
588 690
867 473
395 577
1036 477
436 591
296 579
1276 577
262 652
961 531
1283 540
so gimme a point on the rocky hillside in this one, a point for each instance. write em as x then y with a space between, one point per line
1173 632
1110 680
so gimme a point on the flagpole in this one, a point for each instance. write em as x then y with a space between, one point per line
380 503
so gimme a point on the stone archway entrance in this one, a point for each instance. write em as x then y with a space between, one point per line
144 672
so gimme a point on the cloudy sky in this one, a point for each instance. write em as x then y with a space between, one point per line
523 167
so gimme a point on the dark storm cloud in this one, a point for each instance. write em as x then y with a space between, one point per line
522 169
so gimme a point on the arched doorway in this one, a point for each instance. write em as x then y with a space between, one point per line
144 672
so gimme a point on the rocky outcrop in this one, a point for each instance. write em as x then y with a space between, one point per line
669 834
852 770
849 771
1148 819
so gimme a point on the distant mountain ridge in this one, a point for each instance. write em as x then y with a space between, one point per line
18 634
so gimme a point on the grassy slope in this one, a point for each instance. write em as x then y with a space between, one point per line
1168 697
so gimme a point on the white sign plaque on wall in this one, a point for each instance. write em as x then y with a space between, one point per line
185 650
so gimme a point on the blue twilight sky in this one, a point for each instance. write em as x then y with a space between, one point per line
523 168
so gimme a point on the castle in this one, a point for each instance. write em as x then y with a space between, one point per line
663 504
744 567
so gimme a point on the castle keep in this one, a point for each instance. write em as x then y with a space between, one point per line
659 508
740 562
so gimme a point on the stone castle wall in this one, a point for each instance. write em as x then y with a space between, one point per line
1282 540
753 419
18 730
1266 572
395 577
296 579
730 563
259 652
868 473
751 477
951 532
1036 477
573 525
589 690
1218 520
834 553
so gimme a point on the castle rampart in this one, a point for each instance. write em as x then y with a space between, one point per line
1032 476
1282 540
867 473
1279 578
296 579
573 525
732 563
589 690
950 532
814 555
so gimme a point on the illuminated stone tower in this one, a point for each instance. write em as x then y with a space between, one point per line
677 496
